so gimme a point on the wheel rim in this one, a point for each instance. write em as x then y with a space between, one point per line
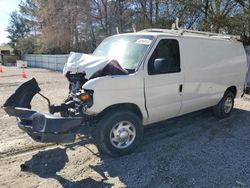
122 135
228 105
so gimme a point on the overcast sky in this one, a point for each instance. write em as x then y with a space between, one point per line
6 7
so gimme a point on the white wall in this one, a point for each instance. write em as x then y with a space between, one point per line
51 62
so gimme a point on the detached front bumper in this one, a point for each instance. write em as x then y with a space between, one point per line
40 126
46 127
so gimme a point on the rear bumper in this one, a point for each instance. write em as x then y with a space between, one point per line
45 127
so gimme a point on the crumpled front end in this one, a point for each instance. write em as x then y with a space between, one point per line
42 127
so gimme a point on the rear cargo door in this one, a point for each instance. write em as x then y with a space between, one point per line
163 89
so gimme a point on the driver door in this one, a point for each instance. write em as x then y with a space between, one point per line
163 87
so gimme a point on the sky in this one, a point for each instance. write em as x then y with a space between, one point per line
6 7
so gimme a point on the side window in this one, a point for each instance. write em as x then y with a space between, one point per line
165 58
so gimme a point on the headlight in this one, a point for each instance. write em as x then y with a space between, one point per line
84 97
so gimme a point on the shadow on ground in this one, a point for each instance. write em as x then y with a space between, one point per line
181 152
46 164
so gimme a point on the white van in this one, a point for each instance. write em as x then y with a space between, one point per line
153 75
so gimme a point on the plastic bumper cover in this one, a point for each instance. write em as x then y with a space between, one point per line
46 127
40 126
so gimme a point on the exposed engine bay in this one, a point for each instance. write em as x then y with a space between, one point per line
82 67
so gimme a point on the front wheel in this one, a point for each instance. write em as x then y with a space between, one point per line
224 108
119 132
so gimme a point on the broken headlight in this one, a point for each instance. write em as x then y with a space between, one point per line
84 100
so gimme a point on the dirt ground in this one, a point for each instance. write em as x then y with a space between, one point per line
195 150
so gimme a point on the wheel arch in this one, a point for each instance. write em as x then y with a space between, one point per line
232 89
124 106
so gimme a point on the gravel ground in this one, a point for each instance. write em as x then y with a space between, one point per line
195 150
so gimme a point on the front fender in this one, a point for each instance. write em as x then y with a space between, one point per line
119 89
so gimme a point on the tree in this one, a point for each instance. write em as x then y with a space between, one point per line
23 28
28 45
80 25
17 28
63 24
28 9
245 20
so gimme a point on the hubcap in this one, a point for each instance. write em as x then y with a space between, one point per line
228 105
122 135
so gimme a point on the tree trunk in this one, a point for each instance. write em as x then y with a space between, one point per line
156 10
120 7
248 20
105 8
93 38
206 27
151 13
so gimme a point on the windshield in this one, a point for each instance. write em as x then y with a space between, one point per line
126 49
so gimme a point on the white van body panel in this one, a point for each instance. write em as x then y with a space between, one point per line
113 90
208 68
163 99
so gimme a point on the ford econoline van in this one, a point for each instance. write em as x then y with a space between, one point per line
135 79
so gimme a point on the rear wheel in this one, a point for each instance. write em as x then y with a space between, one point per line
224 108
119 132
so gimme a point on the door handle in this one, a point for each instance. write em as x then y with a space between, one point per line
180 88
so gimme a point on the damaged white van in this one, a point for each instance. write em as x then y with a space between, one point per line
136 79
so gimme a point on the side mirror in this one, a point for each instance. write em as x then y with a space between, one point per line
161 65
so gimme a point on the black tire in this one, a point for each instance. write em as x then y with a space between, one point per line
219 110
104 132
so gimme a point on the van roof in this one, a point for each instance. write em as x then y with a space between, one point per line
189 33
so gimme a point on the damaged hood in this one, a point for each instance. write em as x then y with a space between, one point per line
92 66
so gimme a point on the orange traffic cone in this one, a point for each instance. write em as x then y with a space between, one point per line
24 75
1 69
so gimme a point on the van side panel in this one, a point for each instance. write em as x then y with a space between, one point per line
210 67
117 89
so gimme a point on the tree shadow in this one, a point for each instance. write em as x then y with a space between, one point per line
147 164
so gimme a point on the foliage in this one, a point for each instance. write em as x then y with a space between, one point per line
17 28
80 25
23 29
28 45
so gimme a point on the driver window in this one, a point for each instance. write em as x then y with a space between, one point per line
168 50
